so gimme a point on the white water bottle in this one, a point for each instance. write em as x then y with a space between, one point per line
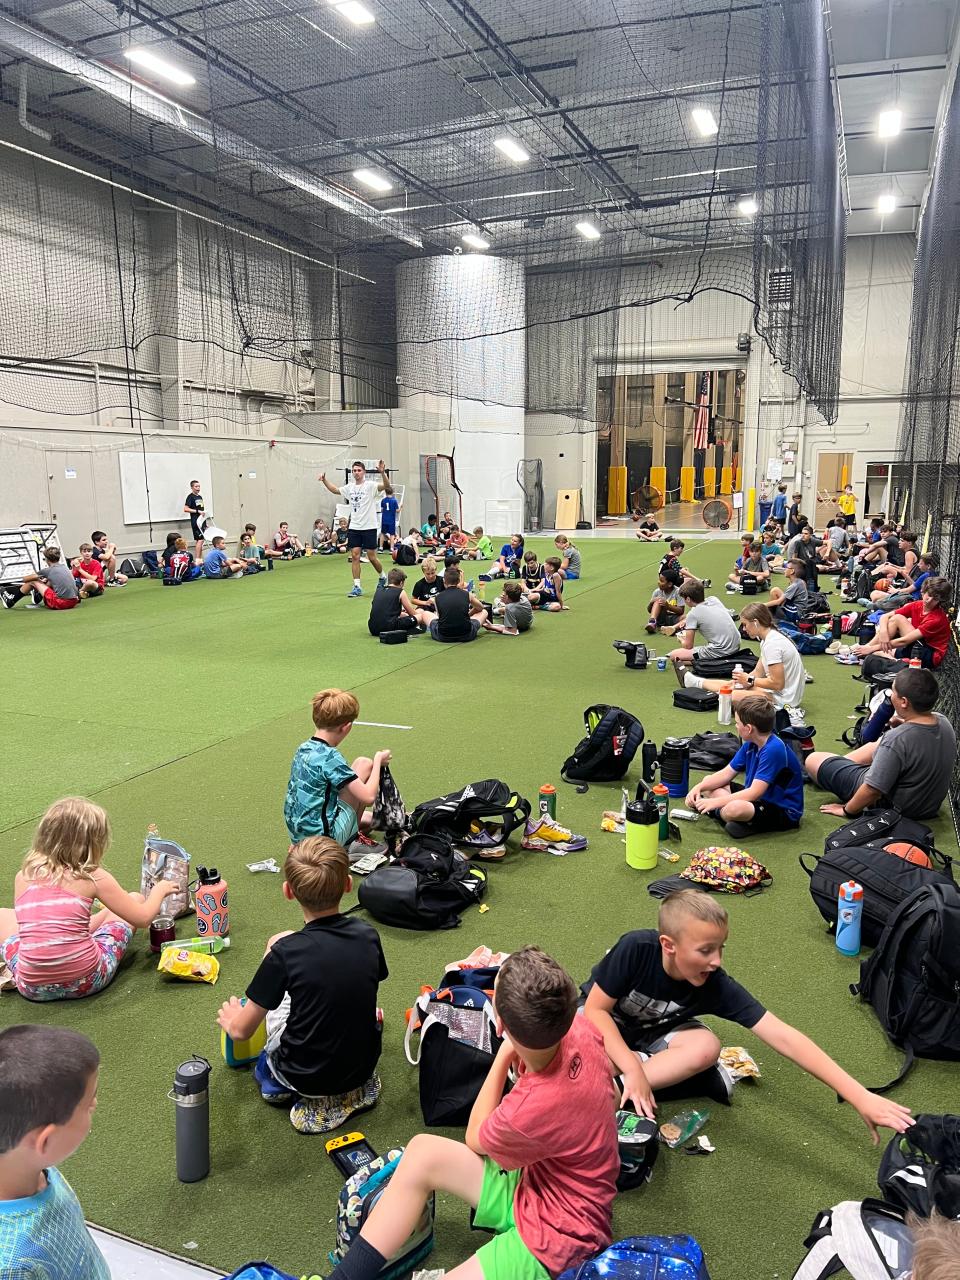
725 706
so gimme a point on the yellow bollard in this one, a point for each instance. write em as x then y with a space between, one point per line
686 484
751 503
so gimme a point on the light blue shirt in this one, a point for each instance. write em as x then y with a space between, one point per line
44 1237
213 562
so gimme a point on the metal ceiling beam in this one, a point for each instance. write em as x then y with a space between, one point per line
50 53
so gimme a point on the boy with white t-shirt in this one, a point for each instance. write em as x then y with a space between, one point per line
363 498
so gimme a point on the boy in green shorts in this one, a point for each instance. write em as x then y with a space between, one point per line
539 1166
325 795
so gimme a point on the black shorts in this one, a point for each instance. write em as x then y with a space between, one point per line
850 520
365 539
766 816
196 530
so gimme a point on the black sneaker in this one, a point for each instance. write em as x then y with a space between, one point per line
9 597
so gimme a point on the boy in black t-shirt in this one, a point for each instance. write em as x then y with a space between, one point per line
317 990
645 996
460 614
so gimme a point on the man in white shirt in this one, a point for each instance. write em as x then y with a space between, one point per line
363 498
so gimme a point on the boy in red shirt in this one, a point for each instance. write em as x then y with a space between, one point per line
925 620
88 573
539 1166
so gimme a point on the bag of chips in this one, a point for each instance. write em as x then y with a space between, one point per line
191 966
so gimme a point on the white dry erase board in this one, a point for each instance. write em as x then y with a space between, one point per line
169 476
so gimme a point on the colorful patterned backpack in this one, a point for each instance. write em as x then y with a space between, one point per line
727 870
357 1198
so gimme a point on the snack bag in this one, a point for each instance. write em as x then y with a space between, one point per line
166 860
738 1064
681 1128
191 966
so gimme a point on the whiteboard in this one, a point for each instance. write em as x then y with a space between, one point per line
169 476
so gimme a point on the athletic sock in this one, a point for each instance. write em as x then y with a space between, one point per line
356 582
362 1262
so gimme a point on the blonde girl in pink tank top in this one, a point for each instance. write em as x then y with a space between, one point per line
52 942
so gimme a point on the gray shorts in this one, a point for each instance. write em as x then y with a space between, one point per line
712 650
841 776
656 1043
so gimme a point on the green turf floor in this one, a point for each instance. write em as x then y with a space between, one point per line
184 708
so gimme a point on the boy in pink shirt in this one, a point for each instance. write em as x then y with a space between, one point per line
539 1166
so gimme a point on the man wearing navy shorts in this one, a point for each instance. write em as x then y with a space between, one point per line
363 497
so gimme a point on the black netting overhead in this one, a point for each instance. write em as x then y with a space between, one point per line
195 227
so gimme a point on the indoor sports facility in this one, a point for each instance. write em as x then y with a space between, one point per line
542 269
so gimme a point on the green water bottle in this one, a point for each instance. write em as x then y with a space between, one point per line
643 834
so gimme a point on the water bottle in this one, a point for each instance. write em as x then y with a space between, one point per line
643 834
849 911
675 766
213 910
548 801
725 705
191 1093
662 796
648 758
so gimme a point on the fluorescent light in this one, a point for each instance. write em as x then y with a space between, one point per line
159 66
475 242
589 231
355 12
887 203
512 149
890 123
376 181
748 206
705 121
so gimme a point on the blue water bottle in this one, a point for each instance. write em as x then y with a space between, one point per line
849 911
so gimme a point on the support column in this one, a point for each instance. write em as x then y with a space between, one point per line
461 352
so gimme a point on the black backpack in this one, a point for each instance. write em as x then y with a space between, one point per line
876 828
887 882
711 751
722 668
405 555
426 888
912 979
604 755
920 1169
487 801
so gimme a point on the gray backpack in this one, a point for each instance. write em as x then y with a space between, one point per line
867 1238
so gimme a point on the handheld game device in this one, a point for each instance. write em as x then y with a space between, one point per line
350 1153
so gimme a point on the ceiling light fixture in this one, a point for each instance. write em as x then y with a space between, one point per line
159 66
887 203
705 121
474 241
589 231
748 206
375 181
890 123
512 149
354 12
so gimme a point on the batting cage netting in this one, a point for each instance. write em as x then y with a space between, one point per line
928 473
201 245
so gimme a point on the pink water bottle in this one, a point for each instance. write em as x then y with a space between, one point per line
213 909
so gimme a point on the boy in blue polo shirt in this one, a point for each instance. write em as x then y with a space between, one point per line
771 796
217 564
325 795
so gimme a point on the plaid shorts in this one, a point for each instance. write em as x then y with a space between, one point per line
112 940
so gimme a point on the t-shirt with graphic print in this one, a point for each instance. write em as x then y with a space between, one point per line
363 500
317 775
650 1001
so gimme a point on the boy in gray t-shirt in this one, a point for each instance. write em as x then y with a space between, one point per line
54 587
517 612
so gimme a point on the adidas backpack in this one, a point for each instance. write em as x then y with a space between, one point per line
487 801
358 1196
679 1257
920 1169
865 1239
912 979
604 755
426 888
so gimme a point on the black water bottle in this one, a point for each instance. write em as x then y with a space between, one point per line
649 762
191 1093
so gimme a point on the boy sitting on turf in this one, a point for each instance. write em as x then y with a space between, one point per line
479 546
250 555
771 796
392 609
317 990
549 592
325 795
217 564
106 552
645 996
48 1094
648 530
52 588
538 1165
88 573
665 607
427 588
517 612
509 562
460 614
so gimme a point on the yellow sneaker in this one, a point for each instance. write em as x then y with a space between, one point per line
545 832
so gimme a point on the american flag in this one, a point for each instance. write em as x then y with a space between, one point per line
701 423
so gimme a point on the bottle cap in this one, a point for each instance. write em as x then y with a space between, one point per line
192 1076
727 688
205 876
661 790
547 788
851 890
